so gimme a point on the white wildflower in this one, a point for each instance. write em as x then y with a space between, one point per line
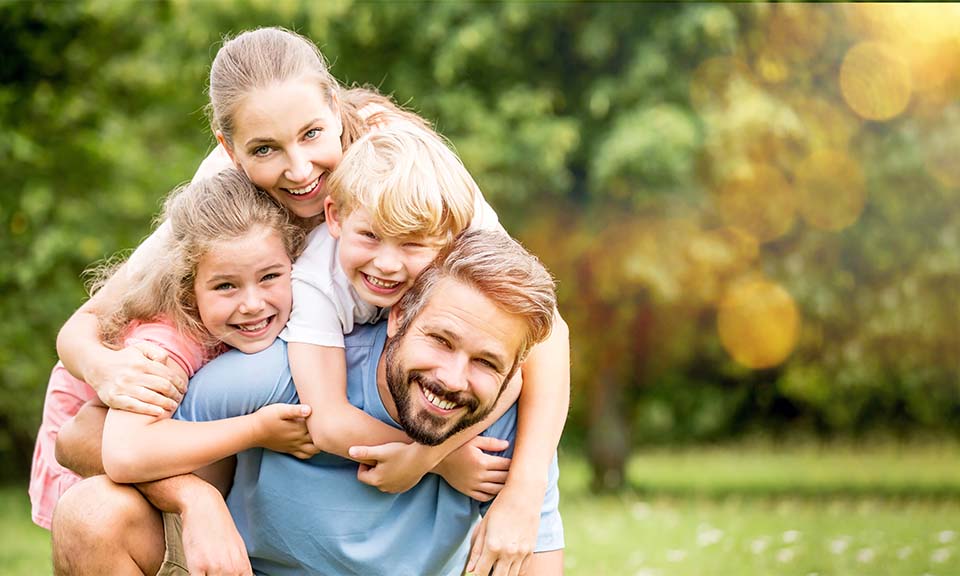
866 555
791 536
940 555
786 555
839 545
946 536
676 555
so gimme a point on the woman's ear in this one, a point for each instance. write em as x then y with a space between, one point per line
228 149
332 216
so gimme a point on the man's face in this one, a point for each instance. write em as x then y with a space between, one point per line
447 369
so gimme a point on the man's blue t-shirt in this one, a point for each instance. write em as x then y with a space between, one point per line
314 516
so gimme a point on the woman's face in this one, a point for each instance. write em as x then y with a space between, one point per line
287 140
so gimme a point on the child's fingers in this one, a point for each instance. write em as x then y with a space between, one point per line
496 463
293 411
490 444
496 477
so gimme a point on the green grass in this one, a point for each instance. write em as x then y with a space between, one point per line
745 510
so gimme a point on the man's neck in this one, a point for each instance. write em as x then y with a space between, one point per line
385 396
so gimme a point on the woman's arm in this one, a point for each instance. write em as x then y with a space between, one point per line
133 378
510 525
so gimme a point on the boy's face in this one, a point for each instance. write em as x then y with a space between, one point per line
380 269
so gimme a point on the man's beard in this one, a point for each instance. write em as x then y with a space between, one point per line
425 427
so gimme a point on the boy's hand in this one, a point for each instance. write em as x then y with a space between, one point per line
504 541
283 428
393 467
473 472
136 379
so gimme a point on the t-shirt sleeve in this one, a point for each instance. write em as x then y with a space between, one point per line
484 216
234 384
314 318
186 352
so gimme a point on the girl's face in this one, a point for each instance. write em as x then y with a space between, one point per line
287 140
380 269
243 290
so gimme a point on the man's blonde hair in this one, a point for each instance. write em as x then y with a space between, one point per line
409 181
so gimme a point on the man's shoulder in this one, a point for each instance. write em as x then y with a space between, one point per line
365 335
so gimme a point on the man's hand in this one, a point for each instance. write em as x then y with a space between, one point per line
473 472
211 542
283 428
504 541
136 379
393 467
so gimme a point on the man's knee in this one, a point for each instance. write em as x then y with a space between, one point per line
95 523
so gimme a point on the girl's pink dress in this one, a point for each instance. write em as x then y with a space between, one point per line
66 394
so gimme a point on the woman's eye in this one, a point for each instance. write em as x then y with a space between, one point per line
261 151
312 133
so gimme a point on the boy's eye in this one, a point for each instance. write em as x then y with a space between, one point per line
368 234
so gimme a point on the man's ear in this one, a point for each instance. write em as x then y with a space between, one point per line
393 322
229 149
332 216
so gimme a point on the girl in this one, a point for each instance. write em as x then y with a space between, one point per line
222 280
280 116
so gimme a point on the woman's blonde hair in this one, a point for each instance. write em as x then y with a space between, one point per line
408 179
265 56
201 216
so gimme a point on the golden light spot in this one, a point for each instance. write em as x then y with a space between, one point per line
875 81
830 190
717 81
758 200
758 323
796 32
826 125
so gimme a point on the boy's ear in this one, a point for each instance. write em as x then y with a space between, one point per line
393 321
229 149
332 216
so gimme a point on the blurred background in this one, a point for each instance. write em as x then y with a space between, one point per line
752 210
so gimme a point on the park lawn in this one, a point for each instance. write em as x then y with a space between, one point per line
741 510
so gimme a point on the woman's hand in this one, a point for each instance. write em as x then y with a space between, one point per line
137 379
283 428
393 467
504 541
473 472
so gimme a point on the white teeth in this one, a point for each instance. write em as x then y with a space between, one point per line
381 283
253 327
301 191
442 404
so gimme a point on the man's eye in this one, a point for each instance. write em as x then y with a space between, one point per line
441 340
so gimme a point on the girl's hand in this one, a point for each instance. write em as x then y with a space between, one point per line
504 540
473 472
393 467
136 379
283 428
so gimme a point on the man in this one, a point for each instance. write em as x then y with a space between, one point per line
455 338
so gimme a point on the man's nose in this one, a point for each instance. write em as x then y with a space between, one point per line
453 373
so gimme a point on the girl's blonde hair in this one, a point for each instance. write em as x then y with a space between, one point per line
265 56
201 215
408 179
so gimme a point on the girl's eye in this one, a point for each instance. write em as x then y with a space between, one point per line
271 276
312 133
223 286
261 151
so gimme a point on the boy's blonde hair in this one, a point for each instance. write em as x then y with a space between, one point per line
265 56
410 182
201 216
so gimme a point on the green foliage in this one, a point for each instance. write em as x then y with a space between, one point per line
608 135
